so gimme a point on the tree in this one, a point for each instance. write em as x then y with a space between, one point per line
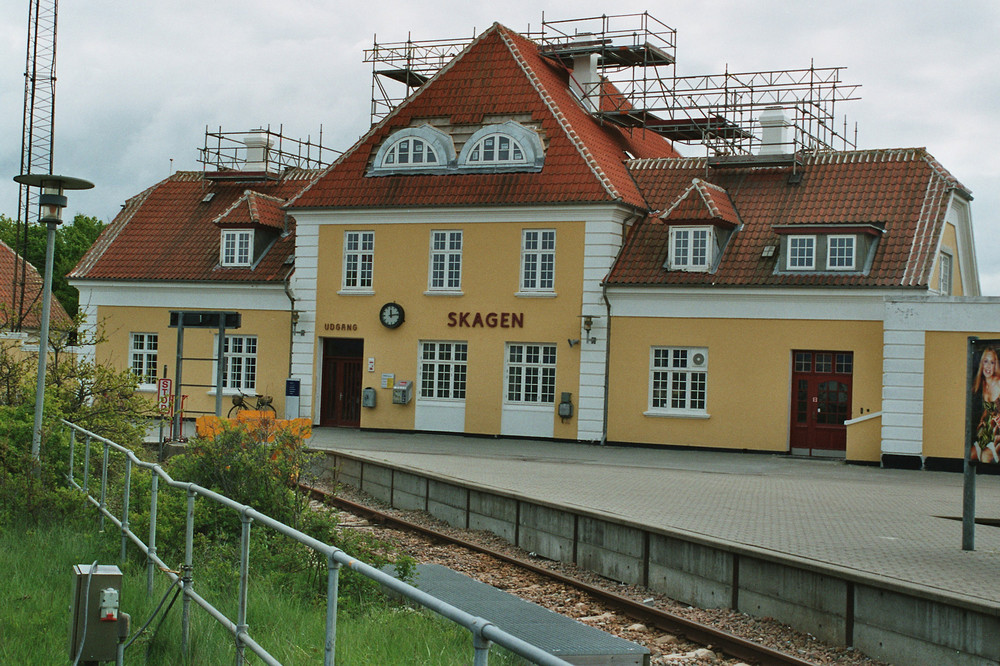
71 242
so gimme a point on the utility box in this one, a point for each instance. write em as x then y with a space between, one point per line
98 610
402 393
293 387
368 397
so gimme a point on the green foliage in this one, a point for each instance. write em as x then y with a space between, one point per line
71 242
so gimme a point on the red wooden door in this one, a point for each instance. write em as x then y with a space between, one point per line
821 401
340 404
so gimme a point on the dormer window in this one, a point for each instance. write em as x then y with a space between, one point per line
801 253
496 149
691 248
236 247
508 146
840 255
413 149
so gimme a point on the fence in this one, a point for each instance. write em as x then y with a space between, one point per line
483 632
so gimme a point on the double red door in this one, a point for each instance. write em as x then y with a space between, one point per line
340 397
821 401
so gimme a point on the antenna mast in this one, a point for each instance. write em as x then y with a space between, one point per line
37 134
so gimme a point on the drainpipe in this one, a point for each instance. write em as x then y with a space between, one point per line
293 316
607 333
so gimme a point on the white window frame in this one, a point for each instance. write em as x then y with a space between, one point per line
143 353
538 261
444 370
685 245
411 152
530 373
677 385
488 150
236 248
797 262
240 353
444 269
830 242
946 278
359 261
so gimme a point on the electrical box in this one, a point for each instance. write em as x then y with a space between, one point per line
368 397
402 393
98 610
566 406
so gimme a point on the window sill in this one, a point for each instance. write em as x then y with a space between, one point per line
249 393
535 294
146 388
356 292
677 415
443 292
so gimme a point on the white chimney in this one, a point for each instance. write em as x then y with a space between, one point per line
585 82
775 132
258 144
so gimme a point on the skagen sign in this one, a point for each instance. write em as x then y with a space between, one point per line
487 320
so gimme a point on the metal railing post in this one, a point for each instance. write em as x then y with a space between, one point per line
125 499
86 465
151 549
332 590
188 578
72 448
480 646
104 483
241 611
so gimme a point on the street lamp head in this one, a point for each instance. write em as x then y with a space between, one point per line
52 201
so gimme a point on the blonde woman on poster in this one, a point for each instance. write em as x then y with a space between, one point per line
987 385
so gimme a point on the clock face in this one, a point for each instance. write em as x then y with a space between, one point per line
391 315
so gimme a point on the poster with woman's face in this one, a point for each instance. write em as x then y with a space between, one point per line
985 402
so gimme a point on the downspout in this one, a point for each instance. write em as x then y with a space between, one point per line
293 317
607 333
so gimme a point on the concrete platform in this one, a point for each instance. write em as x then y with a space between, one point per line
856 555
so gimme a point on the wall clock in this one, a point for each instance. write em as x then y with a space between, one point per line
391 315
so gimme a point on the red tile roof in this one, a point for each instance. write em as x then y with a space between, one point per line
705 202
904 191
499 73
168 232
30 311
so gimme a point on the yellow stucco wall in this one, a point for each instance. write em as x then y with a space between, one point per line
945 391
749 368
864 440
490 279
271 328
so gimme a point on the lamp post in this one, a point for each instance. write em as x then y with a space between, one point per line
50 203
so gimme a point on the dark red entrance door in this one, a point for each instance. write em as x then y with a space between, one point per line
821 401
340 398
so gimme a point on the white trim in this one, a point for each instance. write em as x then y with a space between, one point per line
854 251
812 257
686 265
176 295
464 215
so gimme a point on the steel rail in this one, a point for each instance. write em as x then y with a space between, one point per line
703 634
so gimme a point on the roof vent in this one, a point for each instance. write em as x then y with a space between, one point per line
775 132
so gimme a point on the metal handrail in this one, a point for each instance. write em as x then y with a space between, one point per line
483 632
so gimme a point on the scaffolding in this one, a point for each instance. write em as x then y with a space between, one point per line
228 152
637 54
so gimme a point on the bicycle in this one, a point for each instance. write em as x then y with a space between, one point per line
263 403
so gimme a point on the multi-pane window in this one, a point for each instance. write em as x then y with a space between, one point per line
240 368
690 248
945 274
496 149
142 352
410 152
443 370
531 373
801 252
359 257
538 259
840 253
237 247
678 377
446 260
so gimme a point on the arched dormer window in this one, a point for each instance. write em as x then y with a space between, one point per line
506 145
414 148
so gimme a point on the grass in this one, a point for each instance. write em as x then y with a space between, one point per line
36 596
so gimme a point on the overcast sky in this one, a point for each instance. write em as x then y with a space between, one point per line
139 81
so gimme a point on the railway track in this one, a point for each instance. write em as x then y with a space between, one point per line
728 643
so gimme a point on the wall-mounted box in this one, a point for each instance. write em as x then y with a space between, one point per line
402 393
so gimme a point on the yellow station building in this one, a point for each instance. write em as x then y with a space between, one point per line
514 249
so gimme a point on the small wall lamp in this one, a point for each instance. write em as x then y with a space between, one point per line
573 342
588 323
